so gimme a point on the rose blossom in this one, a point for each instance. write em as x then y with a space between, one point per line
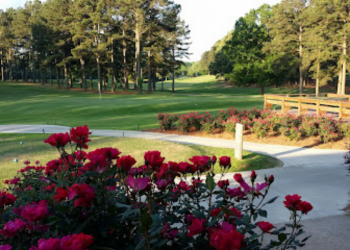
265 226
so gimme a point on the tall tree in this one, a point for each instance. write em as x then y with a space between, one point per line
287 27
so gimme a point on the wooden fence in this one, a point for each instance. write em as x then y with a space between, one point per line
321 104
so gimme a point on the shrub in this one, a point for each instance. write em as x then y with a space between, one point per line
310 126
328 129
345 129
261 127
99 200
230 124
292 133
192 120
167 121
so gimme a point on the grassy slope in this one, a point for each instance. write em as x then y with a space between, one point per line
28 104
34 149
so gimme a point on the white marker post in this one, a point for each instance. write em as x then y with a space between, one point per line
239 142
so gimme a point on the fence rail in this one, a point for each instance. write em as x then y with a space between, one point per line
322 104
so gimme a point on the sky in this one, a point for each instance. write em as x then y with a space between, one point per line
209 20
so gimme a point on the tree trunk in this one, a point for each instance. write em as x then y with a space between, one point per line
112 67
33 72
154 80
126 79
344 66
83 76
99 74
51 83
66 76
317 89
340 80
149 72
58 77
16 72
9 66
138 55
262 90
300 60
91 82
173 72
26 74
2 67
105 82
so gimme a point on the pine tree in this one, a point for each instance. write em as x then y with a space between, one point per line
287 28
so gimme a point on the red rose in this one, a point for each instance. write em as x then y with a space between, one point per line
51 243
271 179
80 155
5 247
201 163
76 241
304 207
223 239
6 199
253 175
223 184
225 161
61 194
35 212
126 162
215 212
84 194
292 201
265 226
153 159
58 140
196 227
11 228
184 167
80 135
214 159
183 186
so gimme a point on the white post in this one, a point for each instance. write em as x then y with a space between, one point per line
239 141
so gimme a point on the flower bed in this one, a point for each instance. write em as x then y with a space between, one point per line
101 200
265 124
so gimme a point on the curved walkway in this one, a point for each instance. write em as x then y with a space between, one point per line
318 175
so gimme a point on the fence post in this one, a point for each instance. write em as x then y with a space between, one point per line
341 110
239 142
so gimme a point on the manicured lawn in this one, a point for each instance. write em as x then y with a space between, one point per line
35 104
34 149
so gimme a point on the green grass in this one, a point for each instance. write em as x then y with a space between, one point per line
37 104
34 149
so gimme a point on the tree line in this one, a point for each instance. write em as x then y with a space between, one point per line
119 40
292 42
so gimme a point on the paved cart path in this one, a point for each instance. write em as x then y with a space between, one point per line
318 175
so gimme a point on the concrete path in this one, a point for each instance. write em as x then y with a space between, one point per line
318 175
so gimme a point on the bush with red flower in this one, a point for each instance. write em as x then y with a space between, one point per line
103 200
264 124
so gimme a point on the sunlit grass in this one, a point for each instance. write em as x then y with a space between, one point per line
36 104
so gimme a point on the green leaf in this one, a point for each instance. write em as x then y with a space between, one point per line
282 237
270 201
262 213
210 183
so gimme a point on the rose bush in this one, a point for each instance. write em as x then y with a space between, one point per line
265 123
103 200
